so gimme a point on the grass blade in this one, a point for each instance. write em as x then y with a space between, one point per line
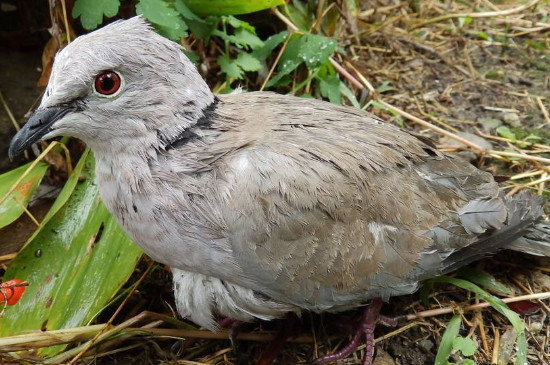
446 344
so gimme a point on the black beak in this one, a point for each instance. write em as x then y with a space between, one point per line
38 125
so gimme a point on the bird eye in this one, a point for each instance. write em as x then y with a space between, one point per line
107 83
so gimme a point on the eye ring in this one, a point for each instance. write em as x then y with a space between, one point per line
108 84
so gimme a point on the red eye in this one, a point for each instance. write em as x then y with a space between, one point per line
107 83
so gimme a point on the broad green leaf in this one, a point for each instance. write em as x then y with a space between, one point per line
230 7
164 17
499 306
289 60
465 345
269 45
230 68
446 344
185 11
483 278
505 132
248 62
315 49
75 265
91 12
330 88
11 206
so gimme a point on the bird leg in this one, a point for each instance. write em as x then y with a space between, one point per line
287 330
366 331
233 325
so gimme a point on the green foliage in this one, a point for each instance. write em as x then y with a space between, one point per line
446 345
76 261
13 201
499 306
505 132
483 279
452 342
164 17
230 7
464 345
91 12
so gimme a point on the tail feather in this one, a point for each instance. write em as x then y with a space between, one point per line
535 242
521 231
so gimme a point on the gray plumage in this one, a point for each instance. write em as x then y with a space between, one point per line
262 203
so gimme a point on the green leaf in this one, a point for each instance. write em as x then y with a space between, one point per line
465 345
242 38
349 95
499 306
462 21
289 60
238 23
532 138
230 68
185 11
424 292
248 62
483 278
330 88
91 11
230 7
386 86
164 17
203 29
74 265
315 49
447 339
269 45
11 206
299 15
505 132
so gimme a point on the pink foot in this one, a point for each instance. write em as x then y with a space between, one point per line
365 331
233 325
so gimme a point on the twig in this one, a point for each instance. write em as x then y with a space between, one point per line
519 155
284 19
488 14
65 20
432 127
110 322
345 73
8 111
543 110
8 257
276 61
447 310
496 346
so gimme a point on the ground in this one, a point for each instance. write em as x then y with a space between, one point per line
467 75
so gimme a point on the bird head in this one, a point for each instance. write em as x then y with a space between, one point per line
120 84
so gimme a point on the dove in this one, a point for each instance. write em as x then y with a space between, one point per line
265 204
